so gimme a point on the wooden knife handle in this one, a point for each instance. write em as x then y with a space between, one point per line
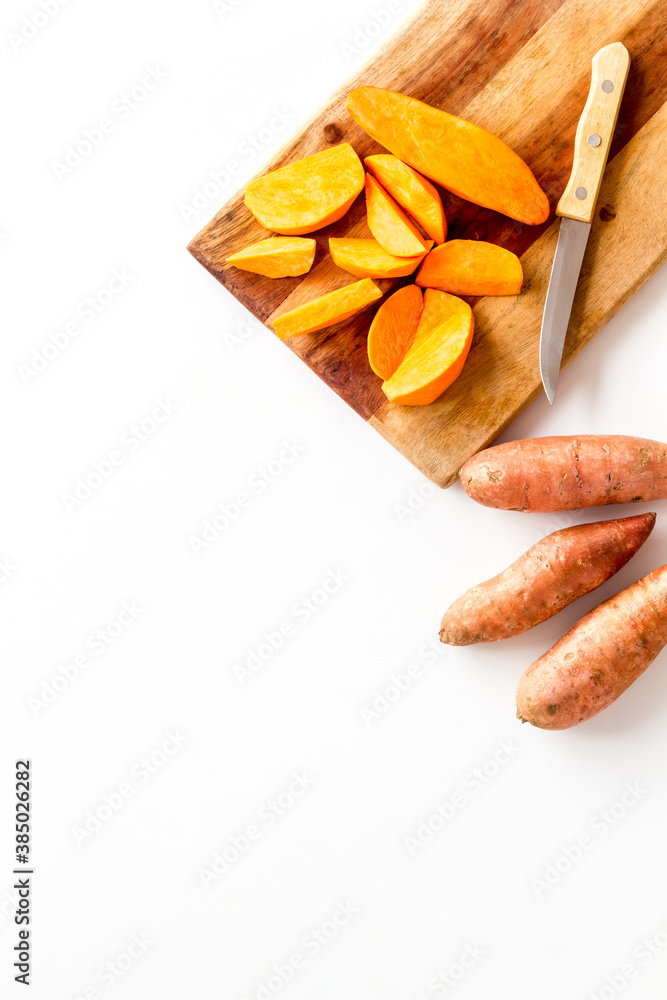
595 132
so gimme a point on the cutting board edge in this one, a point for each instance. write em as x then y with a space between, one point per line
426 467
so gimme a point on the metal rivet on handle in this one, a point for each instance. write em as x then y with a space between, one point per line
594 139
607 86
581 193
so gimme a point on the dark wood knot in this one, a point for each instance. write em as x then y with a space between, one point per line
332 132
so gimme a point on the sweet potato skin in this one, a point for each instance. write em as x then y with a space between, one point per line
552 574
567 473
598 659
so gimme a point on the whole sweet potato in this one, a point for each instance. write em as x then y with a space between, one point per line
598 659
566 473
556 571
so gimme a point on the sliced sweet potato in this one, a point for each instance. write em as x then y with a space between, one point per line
367 259
389 224
462 157
277 257
471 267
437 353
414 193
309 193
393 329
334 307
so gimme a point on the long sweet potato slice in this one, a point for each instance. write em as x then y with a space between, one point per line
367 259
277 257
389 224
437 354
393 329
462 157
309 193
414 193
334 307
471 267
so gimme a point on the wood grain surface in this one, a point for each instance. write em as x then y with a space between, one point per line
520 68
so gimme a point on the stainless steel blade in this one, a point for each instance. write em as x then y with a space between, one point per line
572 239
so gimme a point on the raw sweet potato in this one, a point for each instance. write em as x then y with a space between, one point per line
393 329
390 225
462 157
309 193
414 193
437 353
471 267
598 659
552 574
277 257
367 259
334 307
566 473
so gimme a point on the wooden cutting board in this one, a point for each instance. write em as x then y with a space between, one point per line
521 69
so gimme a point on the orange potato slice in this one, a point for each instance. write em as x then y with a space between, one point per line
389 224
277 257
309 193
331 308
414 193
464 158
367 259
472 267
393 329
437 353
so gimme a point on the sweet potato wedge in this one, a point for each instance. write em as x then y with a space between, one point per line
567 473
462 157
598 659
437 353
390 225
309 193
393 329
277 257
414 193
471 267
334 307
367 259
552 574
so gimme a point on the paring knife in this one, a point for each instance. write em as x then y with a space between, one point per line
577 204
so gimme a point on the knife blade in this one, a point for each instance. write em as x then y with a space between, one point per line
572 240
577 204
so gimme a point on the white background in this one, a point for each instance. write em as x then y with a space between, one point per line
341 506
